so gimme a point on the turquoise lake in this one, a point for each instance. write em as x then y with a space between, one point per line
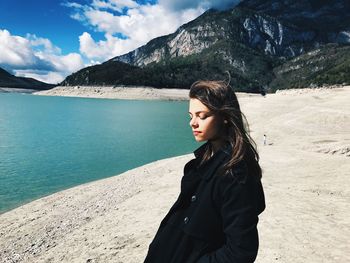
48 144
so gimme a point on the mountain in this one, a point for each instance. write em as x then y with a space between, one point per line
323 66
331 16
9 81
255 42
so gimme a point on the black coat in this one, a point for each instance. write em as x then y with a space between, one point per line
214 218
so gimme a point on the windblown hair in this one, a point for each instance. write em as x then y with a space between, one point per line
220 98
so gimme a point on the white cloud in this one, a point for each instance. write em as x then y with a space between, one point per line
15 50
203 4
32 56
42 43
45 76
103 49
72 4
63 63
138 23
116 5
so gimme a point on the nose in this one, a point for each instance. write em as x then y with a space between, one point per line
193 122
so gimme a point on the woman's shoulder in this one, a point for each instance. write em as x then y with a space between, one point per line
240 177
239 183
190 165
238 173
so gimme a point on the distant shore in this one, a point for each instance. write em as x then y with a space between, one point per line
16 90
110 92
149 93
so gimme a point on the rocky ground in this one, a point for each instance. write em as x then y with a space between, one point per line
137 93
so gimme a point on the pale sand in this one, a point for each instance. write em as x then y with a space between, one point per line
16 90
306 179
108 92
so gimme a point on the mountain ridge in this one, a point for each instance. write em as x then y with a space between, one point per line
249 41
8 80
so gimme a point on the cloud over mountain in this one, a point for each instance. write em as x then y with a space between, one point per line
127 25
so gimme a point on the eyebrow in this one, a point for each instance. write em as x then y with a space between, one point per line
203 111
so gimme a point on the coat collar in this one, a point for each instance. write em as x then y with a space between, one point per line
208 168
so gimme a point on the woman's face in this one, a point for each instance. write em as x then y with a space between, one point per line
205 125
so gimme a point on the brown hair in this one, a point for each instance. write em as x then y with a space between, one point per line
220 98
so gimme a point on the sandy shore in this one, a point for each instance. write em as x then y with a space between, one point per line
306 179
135 93
16 90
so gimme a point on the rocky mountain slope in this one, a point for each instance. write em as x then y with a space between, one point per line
253 41
9 81
323 66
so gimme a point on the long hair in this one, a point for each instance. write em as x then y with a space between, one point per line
220 99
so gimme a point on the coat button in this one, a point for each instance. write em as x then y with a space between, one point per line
193 198
186 220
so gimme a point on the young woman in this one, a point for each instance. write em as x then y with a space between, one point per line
215 216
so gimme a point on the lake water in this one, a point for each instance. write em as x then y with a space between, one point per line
52 143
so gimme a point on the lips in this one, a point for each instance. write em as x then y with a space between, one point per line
196 132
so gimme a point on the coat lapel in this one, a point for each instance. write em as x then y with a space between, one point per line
208 168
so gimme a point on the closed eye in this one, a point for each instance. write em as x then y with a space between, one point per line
203 117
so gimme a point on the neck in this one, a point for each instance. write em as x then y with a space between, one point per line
216 145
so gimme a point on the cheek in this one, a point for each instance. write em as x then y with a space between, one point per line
212 128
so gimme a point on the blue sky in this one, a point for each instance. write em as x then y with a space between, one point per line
47 19
50 39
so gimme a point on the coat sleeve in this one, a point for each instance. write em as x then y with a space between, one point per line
239 201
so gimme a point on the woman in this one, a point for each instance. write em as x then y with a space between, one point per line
215 216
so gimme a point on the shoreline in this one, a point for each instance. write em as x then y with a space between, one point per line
305 169
144 92
150 93
120 92
16 90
